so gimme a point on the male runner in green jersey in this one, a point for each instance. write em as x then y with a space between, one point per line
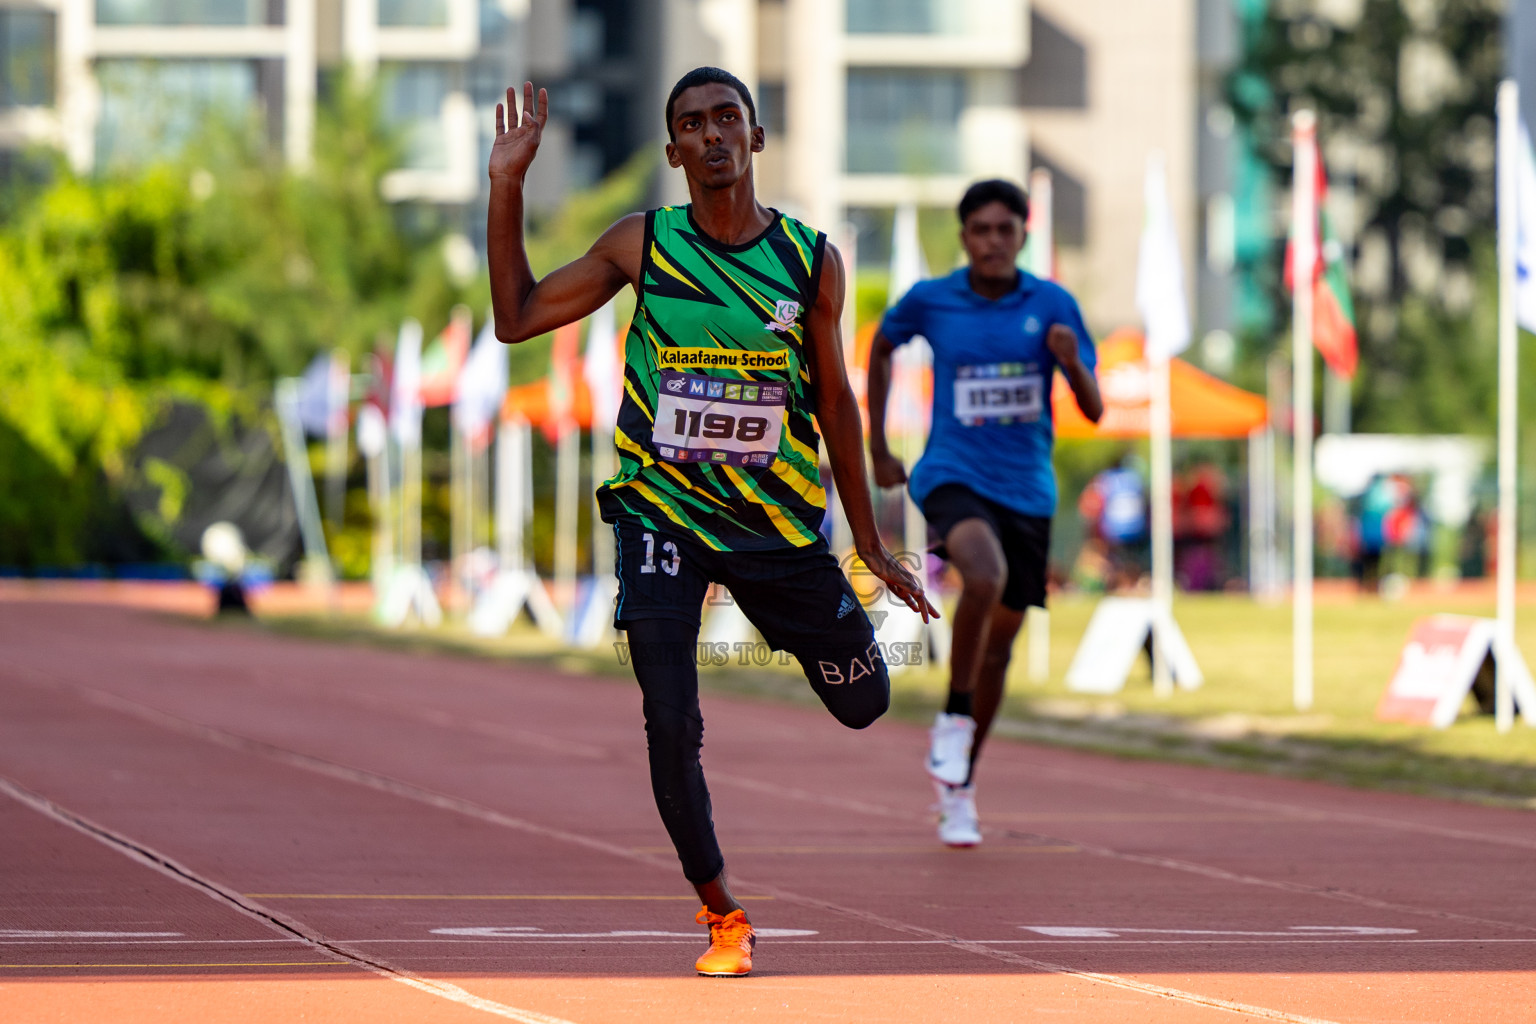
732 363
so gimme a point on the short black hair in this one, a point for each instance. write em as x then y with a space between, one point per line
709 76
994 190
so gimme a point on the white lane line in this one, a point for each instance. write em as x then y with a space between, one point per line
470 809
150 942
24 933
166 866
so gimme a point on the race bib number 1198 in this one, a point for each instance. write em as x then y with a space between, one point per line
707 419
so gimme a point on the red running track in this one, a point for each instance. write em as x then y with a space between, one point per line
209 824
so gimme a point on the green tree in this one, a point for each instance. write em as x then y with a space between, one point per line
199 277
1404 91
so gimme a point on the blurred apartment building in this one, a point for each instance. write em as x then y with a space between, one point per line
868 103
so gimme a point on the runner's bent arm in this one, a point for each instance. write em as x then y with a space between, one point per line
525 307
1062 341
888 469
837 414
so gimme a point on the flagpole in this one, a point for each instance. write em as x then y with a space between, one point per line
317 559
1508 201
1303 236
458 500
337 396
1162 525
1160 299
508 507
1039 258
567 495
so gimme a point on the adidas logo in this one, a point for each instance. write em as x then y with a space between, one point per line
846 606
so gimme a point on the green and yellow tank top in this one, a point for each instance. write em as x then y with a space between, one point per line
715 435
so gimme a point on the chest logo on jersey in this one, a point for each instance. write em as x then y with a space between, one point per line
721 359
1031 325
784 316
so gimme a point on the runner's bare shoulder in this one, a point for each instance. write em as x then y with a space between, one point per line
623 245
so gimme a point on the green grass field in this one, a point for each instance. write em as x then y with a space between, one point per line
1244 714
1241 717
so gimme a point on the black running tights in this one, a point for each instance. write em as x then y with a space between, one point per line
662 652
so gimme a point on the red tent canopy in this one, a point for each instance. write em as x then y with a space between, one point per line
1203 406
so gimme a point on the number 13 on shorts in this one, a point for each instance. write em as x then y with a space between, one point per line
671 558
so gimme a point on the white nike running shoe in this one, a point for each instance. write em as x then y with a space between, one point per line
957 815
949 748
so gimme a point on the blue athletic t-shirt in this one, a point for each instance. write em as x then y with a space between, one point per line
992 370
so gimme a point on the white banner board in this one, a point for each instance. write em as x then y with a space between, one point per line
1440 665
1116 634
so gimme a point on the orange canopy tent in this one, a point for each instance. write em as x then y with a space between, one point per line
1203 406
532 403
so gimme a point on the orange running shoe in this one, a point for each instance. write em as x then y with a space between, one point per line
731 939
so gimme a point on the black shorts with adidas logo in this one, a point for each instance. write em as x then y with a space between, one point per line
798 598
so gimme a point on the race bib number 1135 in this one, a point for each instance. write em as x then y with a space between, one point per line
1000 393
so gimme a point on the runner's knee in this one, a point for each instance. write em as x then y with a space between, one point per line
851 681
672 732
986 578
662 654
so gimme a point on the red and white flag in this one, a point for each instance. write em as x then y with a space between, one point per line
1333 311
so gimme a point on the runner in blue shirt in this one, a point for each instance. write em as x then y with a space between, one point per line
985 482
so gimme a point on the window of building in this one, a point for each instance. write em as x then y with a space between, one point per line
904 121
152 108
26 58
413 103
771 101
181 12
585 33
905 17
413 13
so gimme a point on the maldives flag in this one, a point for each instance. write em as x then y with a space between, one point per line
1333 312
442 360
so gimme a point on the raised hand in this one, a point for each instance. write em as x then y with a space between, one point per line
517 140
1062 341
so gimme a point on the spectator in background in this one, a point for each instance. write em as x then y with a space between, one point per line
1378 500
1406 528
1117 499
1200 522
